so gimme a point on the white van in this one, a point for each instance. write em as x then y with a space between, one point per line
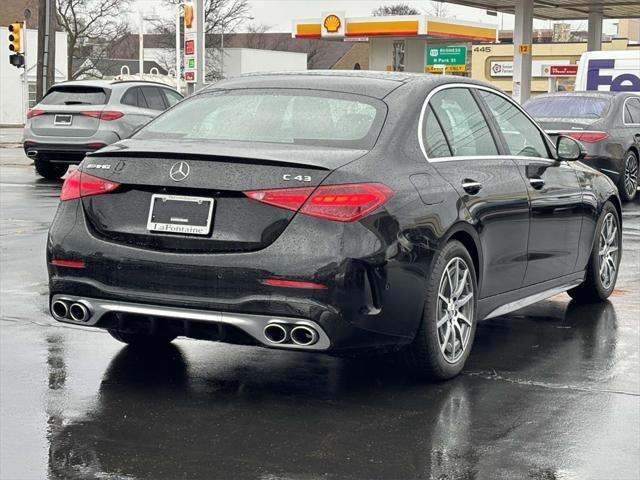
613 70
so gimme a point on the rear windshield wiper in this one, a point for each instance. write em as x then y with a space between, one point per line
76 102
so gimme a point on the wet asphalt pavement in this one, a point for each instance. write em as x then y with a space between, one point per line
549 392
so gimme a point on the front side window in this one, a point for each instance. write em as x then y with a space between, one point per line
463 124
275 116
171 97
521 135
153 97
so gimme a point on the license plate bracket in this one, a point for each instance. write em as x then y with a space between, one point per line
63 120
180 214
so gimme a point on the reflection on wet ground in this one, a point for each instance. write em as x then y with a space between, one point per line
550 392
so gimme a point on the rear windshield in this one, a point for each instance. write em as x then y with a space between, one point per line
75 96
299 117
567 107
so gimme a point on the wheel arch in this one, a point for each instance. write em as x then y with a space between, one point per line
467 235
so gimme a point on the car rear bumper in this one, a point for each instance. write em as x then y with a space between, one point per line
65 149
369 301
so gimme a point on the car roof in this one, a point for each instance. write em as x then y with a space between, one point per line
108 83
364 82
583 94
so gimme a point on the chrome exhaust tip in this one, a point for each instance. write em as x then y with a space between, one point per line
276 333
32 153
304 336
79 312
59 310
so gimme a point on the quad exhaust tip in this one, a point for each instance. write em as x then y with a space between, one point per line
276 333
304 336
65 310
300 335
79 312
59 309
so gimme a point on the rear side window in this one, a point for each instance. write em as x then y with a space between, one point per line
134 98
171 97
632 111
435 143
154 98
277 116
521 135
75 95
463 124
569 106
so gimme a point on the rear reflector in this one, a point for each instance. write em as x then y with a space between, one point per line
68 263
34 113
79 184
587 137
278 282
96 145
103 115
342 203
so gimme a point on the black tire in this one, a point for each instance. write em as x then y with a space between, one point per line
50 171
424 357
628 182
594 289
141 339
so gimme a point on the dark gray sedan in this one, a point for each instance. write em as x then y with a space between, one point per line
607 123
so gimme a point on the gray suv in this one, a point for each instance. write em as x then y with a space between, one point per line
78 117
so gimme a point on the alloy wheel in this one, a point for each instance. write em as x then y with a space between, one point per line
455 310
631 174
608 250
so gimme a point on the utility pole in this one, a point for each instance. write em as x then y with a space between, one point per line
45 70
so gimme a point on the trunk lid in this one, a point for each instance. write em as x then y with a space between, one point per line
221 171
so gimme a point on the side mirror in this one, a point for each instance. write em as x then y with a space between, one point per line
569 149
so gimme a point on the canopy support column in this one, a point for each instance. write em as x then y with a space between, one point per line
522 36
594 40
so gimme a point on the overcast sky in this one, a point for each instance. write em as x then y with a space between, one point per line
279 13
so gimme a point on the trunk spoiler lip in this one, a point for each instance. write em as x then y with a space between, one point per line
278 156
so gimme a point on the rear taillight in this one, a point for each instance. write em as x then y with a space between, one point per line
280 282
343 203
79 184
68 263
34 113
103 115
587 137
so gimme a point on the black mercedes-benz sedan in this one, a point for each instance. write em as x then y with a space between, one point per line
338 212
608 125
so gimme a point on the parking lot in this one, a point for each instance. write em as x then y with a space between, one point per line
549 392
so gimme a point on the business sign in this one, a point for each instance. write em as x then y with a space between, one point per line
454 59
559 70
505 69
603 73
190 33
332 25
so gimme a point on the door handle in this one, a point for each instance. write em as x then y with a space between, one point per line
536 183
471 186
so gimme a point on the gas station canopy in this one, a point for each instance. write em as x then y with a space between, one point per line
563 9
336 25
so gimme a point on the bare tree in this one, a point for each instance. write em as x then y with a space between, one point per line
92 27
397 9
438 9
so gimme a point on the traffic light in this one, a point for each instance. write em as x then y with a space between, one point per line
15 44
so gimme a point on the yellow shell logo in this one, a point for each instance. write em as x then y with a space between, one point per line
332 23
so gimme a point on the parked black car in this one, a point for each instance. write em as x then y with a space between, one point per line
607 123
332 212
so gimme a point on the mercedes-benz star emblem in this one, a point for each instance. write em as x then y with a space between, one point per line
179 171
